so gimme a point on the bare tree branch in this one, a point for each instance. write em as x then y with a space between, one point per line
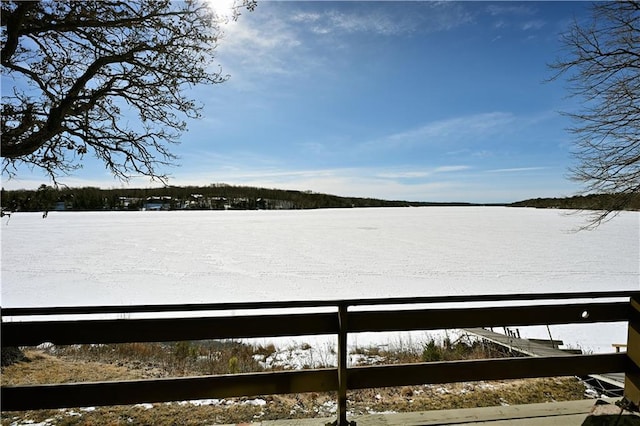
602 66
78 65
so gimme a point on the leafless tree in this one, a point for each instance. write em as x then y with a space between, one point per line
602 65
78 68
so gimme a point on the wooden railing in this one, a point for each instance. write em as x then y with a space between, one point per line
26 327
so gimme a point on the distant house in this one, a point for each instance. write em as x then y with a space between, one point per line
128 203
280 204
218 203
240 203
157 203
195 201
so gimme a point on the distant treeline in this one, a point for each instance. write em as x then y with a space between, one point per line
215 196
586 202
222 196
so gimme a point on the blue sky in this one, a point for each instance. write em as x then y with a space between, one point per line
429 101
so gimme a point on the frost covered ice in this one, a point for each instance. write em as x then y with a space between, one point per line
103 258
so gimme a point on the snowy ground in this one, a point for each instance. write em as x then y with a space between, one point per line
228 256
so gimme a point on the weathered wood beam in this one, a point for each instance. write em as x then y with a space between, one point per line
35 397
486 369
434 319
33 333
193 307
30 333
632 374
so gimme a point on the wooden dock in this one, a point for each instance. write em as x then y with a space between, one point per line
610 384
522 346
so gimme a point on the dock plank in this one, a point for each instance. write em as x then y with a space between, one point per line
523 346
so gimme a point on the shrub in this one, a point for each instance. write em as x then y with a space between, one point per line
432 352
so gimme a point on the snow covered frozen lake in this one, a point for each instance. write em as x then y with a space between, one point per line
99 258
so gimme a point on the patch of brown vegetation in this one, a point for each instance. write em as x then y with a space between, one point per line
466 395
170 359
135 361
44 368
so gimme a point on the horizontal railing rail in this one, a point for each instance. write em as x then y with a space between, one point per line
66 332
408 314
234 306
69 395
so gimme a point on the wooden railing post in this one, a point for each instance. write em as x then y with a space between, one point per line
342 365
632 375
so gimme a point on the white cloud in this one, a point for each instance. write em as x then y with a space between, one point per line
283 39
515 16
470 127
378 184
439 183
510 9
448 169
334 21
34 182
251 49
306 17
533 25
356 183
423 173
435 184
382 19
516 170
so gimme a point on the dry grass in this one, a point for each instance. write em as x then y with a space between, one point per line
134 361
45 368
466 395
404 352
170 359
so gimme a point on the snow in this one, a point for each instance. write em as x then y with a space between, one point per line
98 258
258 402
145 405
